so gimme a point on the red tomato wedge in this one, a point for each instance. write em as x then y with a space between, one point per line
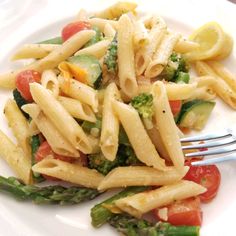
73 28
184 212
23 79
44 150
175 106
208 176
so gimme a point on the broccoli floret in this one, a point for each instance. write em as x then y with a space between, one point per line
96 38
110 59
143 103
176 64
125 157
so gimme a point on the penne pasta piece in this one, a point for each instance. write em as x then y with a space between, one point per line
15 158
33 128
223 73
184 46
116 10
58 115
37 51
140 141
101 23
98 49
144 55
82 15
19 125
165 124
58 143
109 31
140 176
72 173
77 109
125 54
79 91
140 35
144 202
67 49
220 87
110 123
161 56
49 81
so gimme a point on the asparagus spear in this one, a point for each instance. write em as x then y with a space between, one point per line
101 214
131 226
46 195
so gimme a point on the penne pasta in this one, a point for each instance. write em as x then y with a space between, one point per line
161 56
82 15
58 115
58 143
109 31
67 49
77 109
126 73
141 203
37 51
185 46
116 10
49 81
165 124
140 176
72 173
110 123
140 141
140 35
19 125
101 23
79 91
220 87
15 158
98 49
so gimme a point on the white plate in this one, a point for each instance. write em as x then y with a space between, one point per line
21 218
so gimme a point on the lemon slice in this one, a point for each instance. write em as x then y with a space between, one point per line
214 43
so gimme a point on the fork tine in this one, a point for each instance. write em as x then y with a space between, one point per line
204 137
212 152
214 160
223 142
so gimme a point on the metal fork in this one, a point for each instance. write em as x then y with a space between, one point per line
222 145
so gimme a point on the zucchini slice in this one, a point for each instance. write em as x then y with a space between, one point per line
92 66
194 114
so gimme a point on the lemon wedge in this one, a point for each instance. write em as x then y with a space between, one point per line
213 42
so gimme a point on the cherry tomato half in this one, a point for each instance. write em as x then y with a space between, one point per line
184 212
175 106
23 79
208 176
73 28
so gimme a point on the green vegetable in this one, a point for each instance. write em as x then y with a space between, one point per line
182 77
96 38
89 126
56 40
194 114
100 215
47 195
20 101
35 143
92 66
131 226
123 138
143 103
176 64
125 157
110 59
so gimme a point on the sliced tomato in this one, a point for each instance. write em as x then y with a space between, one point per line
73 28
184 212
208 176
44 150
23 79
175 106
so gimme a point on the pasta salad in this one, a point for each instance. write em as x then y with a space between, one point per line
104 105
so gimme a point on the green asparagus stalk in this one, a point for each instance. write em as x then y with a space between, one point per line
47 195
100 214
131 226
